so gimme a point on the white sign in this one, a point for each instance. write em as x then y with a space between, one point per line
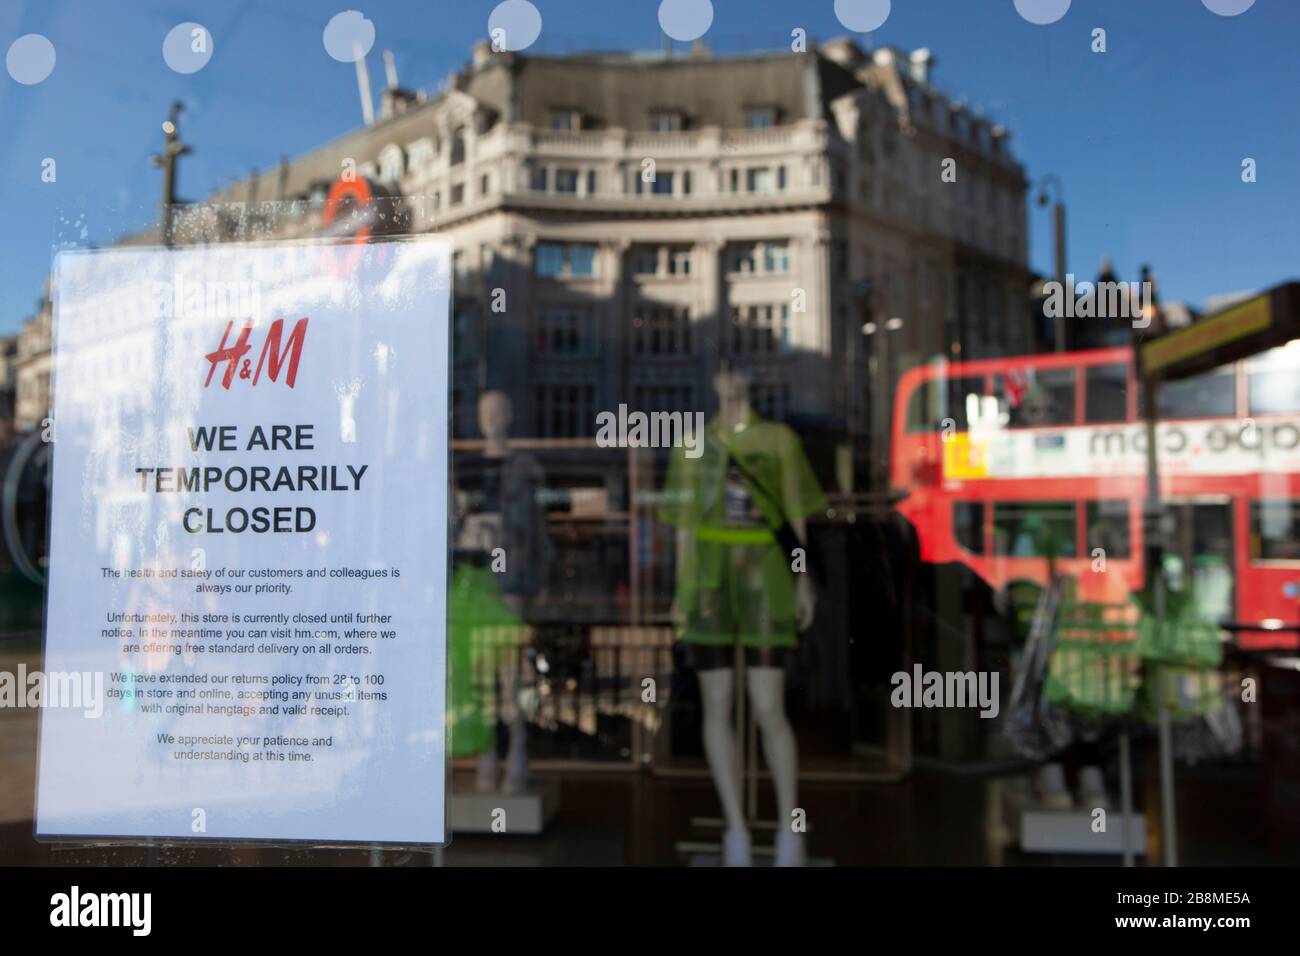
248 544
1203 447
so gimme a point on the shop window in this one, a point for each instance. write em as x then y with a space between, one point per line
1034 529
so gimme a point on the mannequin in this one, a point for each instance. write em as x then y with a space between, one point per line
500 546
736 586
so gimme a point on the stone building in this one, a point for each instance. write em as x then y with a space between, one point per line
649 216
824 219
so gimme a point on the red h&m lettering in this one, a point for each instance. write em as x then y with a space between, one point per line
232 355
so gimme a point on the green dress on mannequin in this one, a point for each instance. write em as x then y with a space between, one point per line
735 582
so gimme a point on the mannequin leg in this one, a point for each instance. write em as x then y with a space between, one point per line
716 689
767 694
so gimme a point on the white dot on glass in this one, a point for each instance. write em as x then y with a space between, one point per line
187 47
348 36
862 16
1228 8
30 59
685 20
520 24
1042 12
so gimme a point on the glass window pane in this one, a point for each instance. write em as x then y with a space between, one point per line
1108 528
1034 529
1275 529
1205 396
1037 397
1273 381
1106 396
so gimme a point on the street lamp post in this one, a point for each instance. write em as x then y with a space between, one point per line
1058 244
173 149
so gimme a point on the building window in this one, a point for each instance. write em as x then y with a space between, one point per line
662 185
564 330
760 117
550 259
645 260
780 178
565 411
666 121
554 259
568 120
661 330
770 401
664 398
420 154
735 180
591 182
582 260
776 258
457 194
566 180
760 329
686 183
392 163
484 185
537 178
742 259
679 262
458 147
758 180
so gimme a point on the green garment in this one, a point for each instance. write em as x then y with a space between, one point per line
735 583
481 629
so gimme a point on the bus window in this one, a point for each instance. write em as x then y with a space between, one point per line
1106 397
968 525
1273 381
1034 529
1108 528
1203 396
1275 529
937 399
1038 397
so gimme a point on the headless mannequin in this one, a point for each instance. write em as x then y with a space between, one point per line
765 682
494 417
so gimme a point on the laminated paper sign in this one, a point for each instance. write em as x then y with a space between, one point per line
247 578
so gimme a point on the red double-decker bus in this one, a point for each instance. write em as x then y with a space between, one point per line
1012 465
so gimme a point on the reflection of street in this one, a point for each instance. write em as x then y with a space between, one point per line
18 735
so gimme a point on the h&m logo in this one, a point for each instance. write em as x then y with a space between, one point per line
236 364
